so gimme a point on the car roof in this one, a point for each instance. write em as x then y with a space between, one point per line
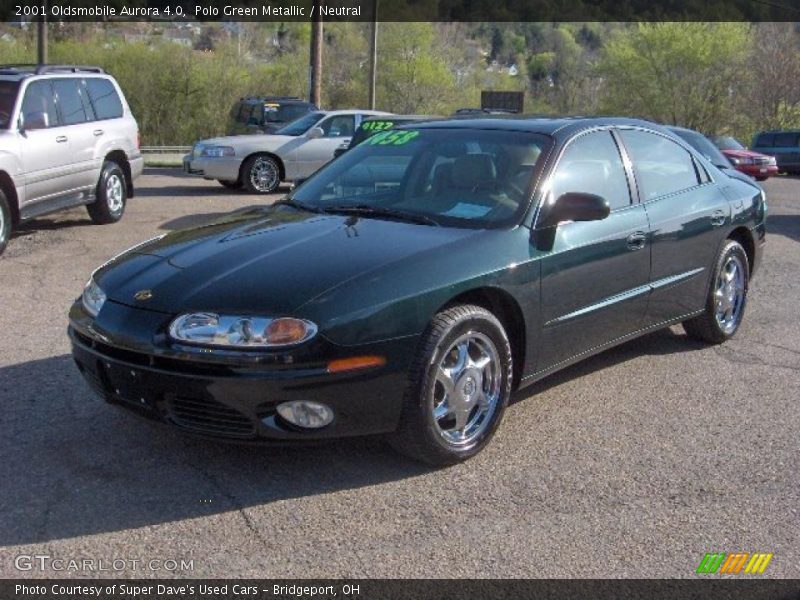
778 131
548 125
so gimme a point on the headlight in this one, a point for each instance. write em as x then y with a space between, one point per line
216 151
93 298
210 329
734 160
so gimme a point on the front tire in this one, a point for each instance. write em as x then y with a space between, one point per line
459 386
5 221
261 174
109 206
727 297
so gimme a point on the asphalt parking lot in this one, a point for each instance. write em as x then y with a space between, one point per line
634 463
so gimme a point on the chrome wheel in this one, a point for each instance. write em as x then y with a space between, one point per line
467 388
115 194
264 176
2 225
729 294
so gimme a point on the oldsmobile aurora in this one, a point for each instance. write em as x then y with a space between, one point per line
409 286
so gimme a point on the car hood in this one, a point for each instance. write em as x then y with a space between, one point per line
742 153
264 261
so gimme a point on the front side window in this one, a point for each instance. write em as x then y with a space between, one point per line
662 167
592 164
451 177
786 140
69 101
40 102
339 126
8 97
104 97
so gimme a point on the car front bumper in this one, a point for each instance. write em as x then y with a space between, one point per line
219 398
224 169
758 170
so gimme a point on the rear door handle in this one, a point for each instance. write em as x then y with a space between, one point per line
718 218
61 139
637 240
98 132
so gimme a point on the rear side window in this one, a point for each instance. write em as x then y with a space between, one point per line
39 98
69 101
592 164
765 140
785 140
662 167
104 97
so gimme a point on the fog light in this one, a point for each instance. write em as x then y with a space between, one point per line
309 415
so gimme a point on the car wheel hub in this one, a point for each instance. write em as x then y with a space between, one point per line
466 390
729 294
263 175
114 193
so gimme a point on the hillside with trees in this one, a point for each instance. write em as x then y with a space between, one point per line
182 79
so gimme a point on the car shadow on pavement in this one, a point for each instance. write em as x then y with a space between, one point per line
174 182
57 221
785 225
74 465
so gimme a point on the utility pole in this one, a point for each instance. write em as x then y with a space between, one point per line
373 54
41 38
315 67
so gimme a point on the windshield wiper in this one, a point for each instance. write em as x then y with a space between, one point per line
379 211
297 204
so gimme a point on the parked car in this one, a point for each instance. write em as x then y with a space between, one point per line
260 162
784 145
411 301
757 165
373 125
710 151
67 138
267 114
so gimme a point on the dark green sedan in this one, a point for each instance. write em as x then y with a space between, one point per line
408 287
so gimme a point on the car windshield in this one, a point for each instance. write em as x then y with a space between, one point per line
704 146
301 125
726 142
453 177
8 95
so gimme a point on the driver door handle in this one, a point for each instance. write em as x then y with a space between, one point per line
98 132
637 240
61 139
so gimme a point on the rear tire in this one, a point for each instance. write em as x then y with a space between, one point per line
261 174
5 221
459 386
727 297
109 206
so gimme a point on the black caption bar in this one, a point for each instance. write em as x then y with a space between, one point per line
403 10
366 589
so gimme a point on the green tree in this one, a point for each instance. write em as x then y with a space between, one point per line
686 74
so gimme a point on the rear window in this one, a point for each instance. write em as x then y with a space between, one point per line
104 97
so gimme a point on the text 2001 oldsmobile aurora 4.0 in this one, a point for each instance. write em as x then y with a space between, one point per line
409 286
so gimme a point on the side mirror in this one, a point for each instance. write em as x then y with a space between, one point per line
315 133
574 206
34 120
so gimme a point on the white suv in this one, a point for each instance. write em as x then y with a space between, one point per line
67 138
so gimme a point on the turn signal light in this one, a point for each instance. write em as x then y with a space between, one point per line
355 362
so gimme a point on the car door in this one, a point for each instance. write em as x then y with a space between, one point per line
77 119
687 213
594 280
315 152
45 144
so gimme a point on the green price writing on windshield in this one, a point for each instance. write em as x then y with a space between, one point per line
377 125
393 138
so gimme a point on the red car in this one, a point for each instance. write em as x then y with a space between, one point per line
754 164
